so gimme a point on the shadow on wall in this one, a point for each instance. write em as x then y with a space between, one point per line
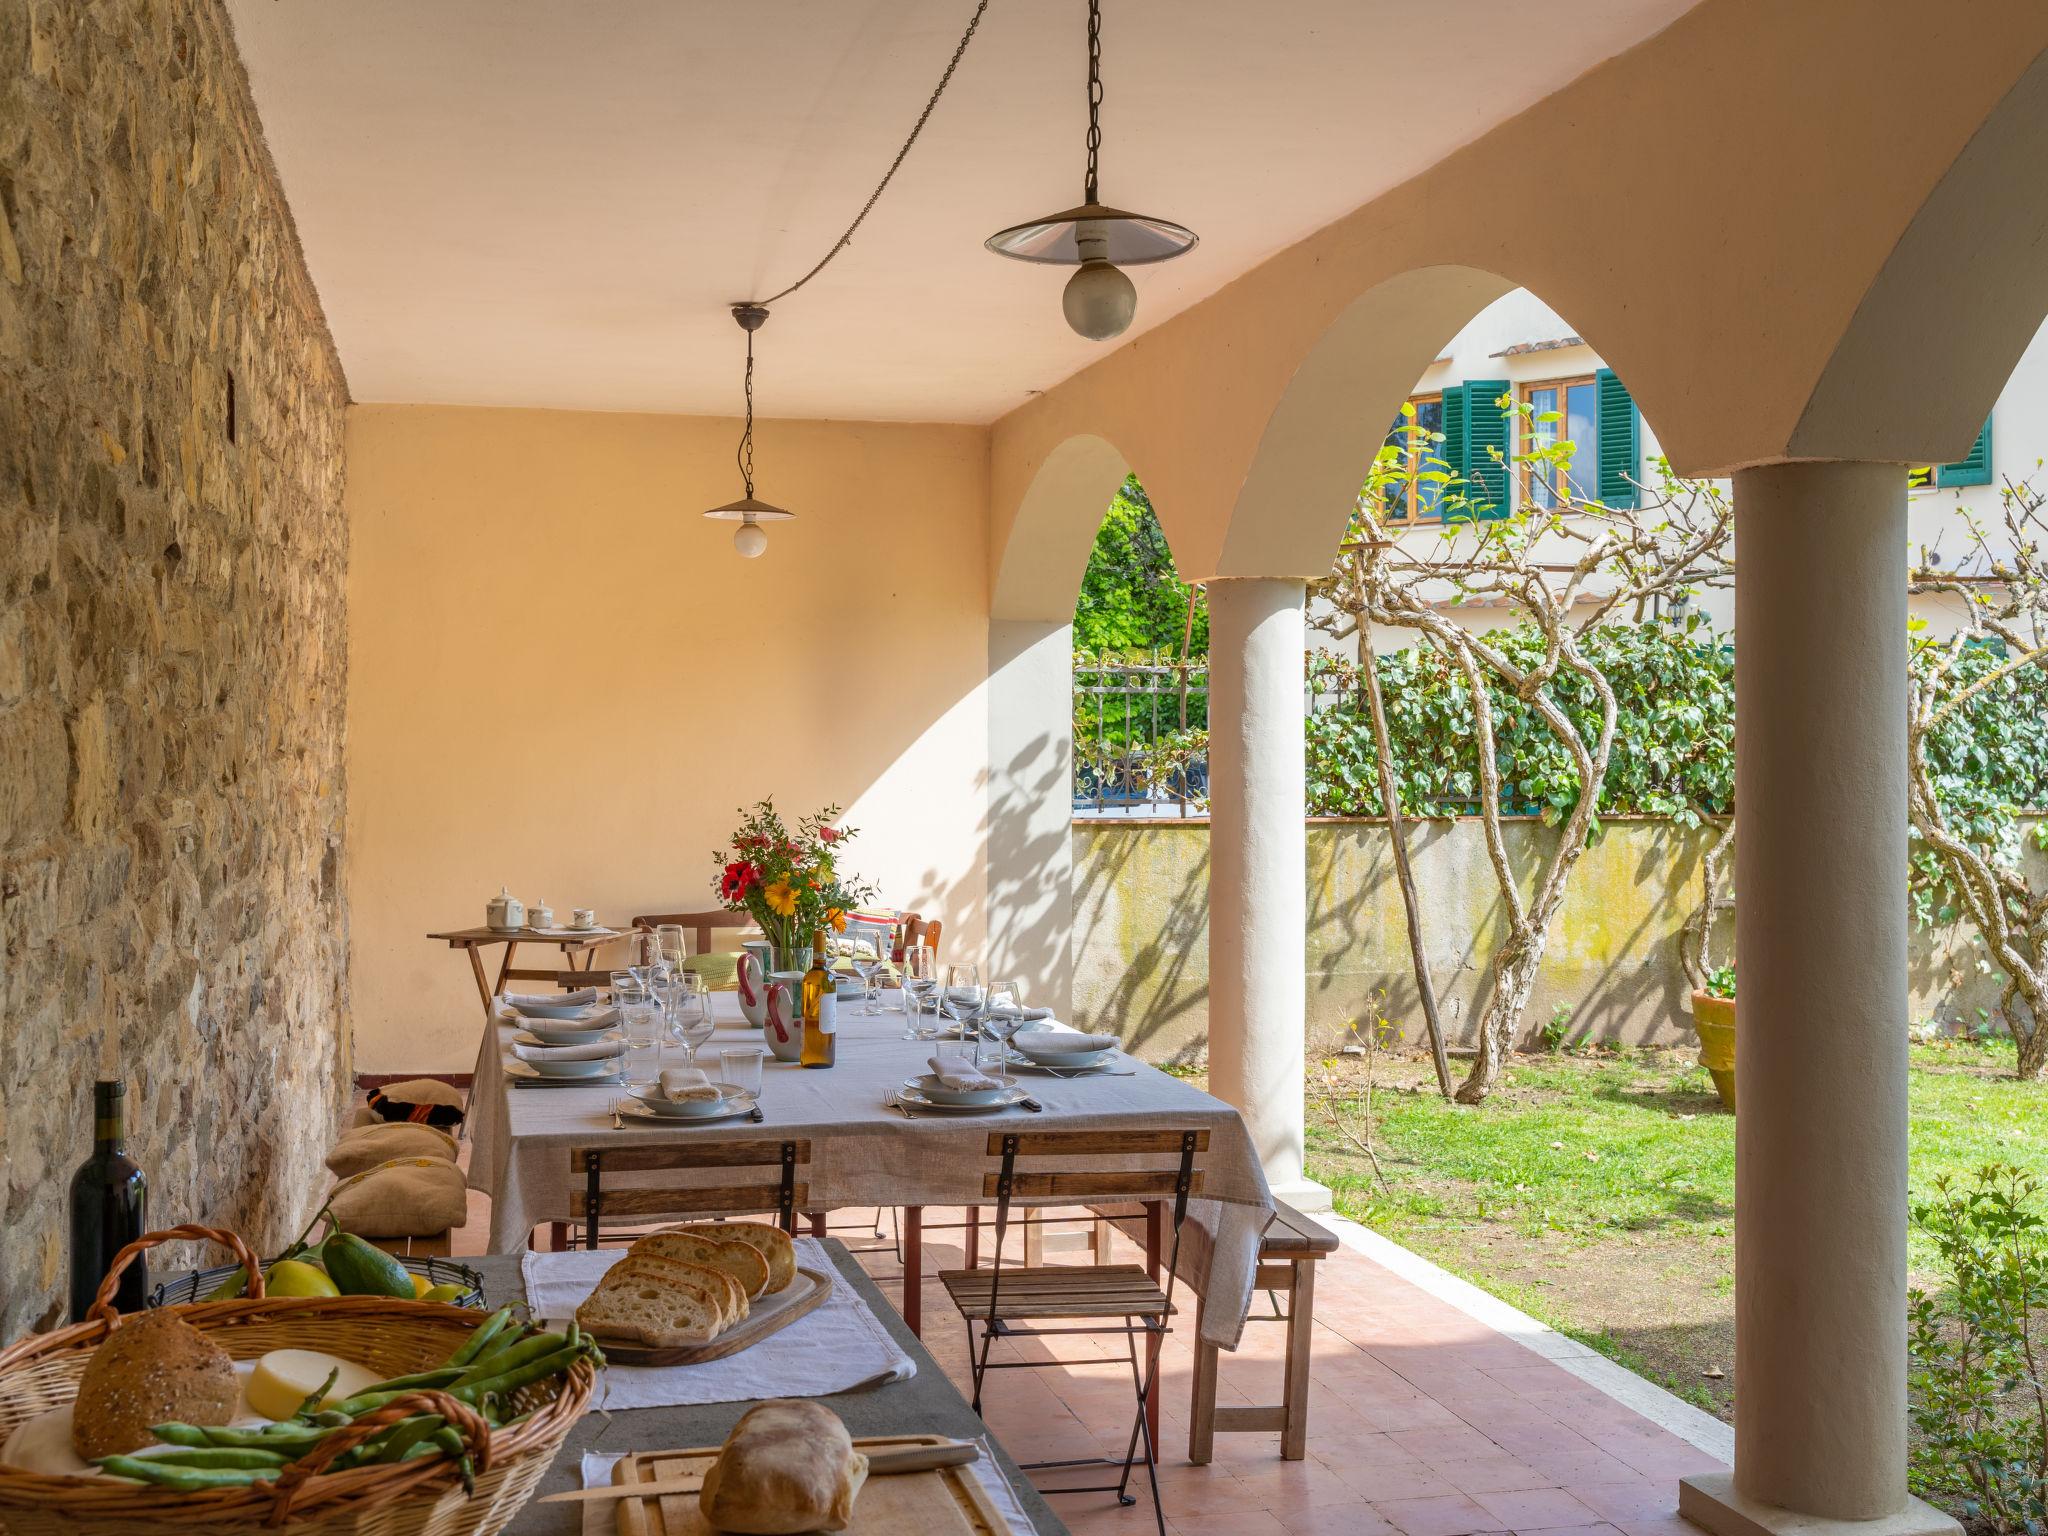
1612 970
1029 853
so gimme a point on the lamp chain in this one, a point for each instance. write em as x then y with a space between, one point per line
746 453
1094 93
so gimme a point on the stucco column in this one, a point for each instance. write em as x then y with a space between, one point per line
1820 880
1031 808
1258 903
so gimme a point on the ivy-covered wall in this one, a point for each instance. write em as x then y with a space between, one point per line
1141 935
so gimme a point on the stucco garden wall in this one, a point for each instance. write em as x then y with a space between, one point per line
1141 906
172 653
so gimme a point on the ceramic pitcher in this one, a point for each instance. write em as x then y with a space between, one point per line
785 1019
753 989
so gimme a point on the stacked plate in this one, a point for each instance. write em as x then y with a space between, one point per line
1062 1049
927 1092
650 1103
585 1059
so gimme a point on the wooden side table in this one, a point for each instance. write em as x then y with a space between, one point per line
573 943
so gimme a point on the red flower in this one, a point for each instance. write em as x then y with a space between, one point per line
739 878
829 835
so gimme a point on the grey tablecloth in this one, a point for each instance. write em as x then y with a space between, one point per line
863 1154
927 1404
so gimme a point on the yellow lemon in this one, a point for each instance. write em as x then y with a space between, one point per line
446 1293
292 1277
420 1286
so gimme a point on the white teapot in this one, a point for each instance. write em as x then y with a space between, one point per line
504 911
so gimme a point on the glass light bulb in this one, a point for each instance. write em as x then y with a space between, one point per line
1099 301
750 539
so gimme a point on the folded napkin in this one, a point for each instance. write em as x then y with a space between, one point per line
962 1076
682 1083
597 1050
1046 1042
590 1023
577 999
1012 1011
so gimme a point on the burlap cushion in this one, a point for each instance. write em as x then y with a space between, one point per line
363 1148
424 1090
407 1197
721 973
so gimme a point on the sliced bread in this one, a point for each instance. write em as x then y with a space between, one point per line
724 1290
773 1244
651 1309
729 1255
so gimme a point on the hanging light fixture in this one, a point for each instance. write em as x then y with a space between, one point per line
750 538
1099 300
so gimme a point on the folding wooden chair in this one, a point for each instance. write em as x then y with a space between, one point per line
783 1192
1049 1300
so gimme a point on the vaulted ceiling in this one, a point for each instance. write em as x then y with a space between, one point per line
552 203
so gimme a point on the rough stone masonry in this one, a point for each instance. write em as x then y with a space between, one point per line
173 655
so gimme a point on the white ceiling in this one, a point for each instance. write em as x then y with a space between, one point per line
552 202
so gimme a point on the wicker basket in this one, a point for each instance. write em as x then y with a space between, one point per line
392 1338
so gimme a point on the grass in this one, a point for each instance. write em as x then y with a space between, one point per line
1597 1191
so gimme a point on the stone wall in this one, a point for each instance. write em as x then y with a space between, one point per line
1141 934
172 638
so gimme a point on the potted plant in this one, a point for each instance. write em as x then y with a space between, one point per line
788 880
1713 1020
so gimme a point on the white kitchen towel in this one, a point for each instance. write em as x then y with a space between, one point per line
840 1345
600 1518
519 1001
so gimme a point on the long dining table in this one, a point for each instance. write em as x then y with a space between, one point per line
865 1153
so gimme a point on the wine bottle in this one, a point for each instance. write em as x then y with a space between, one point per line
109 1196
821 1010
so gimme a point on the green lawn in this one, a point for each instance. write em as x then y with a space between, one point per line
1596 1191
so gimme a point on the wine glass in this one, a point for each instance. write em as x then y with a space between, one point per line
693 1022
962 999
669 946
870 965
919 970
1002 1017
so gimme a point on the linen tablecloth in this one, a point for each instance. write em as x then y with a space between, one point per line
863 1154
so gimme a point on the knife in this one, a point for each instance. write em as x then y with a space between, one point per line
918 1458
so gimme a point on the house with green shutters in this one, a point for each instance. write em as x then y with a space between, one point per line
1518 352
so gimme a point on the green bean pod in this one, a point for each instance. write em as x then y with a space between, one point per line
222 1456
403 1436
290 1440
311 1403
440 1376
146 1469
180 1434
505 1384
485 1331
538 1347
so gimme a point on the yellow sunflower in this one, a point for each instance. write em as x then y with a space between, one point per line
836 918
781 898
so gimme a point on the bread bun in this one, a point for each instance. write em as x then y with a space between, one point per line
787 1467
152 1369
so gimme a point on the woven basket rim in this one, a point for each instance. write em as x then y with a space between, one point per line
428 1477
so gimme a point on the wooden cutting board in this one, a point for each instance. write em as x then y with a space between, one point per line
947 1502
769 1313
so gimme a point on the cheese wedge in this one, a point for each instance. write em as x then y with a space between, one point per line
285 1378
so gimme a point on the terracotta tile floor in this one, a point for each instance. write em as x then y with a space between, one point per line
1422 1420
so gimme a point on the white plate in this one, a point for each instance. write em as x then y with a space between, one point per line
542 1039
1064 1058
928 1084
636 1109
1067 1068
526 1077
557 1010
917 1100
694 1109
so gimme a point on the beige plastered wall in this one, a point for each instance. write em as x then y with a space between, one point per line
563 679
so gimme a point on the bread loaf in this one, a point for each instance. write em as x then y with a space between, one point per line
647 1309
152 1369
787 1467
773 1244
731 1300
729 1255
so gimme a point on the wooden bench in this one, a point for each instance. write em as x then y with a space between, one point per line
1287 1267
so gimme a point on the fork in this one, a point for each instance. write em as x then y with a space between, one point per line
890 1100
618 1120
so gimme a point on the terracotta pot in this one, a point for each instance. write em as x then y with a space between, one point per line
1713 1019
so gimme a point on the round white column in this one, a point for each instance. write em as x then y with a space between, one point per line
1258 903
1821 1012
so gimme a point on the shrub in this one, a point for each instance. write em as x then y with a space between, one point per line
1979 1400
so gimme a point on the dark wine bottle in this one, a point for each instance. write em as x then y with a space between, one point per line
108 1198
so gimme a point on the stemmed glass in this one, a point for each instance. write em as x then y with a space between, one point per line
669 947
962 999
868 967
1002 1017
919 968
693 1022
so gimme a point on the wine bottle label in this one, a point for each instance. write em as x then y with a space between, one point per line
828 1013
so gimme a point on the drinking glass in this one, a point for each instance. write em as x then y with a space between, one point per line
693 1021
962 999
867 967
1003 1017
668 944
740 1065
920 970
642 1018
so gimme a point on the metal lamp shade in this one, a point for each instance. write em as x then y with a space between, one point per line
1126 239
749 510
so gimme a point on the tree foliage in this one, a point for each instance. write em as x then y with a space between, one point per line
1131 598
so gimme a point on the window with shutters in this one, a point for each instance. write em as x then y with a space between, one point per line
1567 410
1415 500
1974 468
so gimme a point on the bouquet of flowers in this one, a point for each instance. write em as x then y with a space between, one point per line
788 880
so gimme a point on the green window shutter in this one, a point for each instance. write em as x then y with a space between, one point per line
1975 468
1487 426
1620 430
1452 451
